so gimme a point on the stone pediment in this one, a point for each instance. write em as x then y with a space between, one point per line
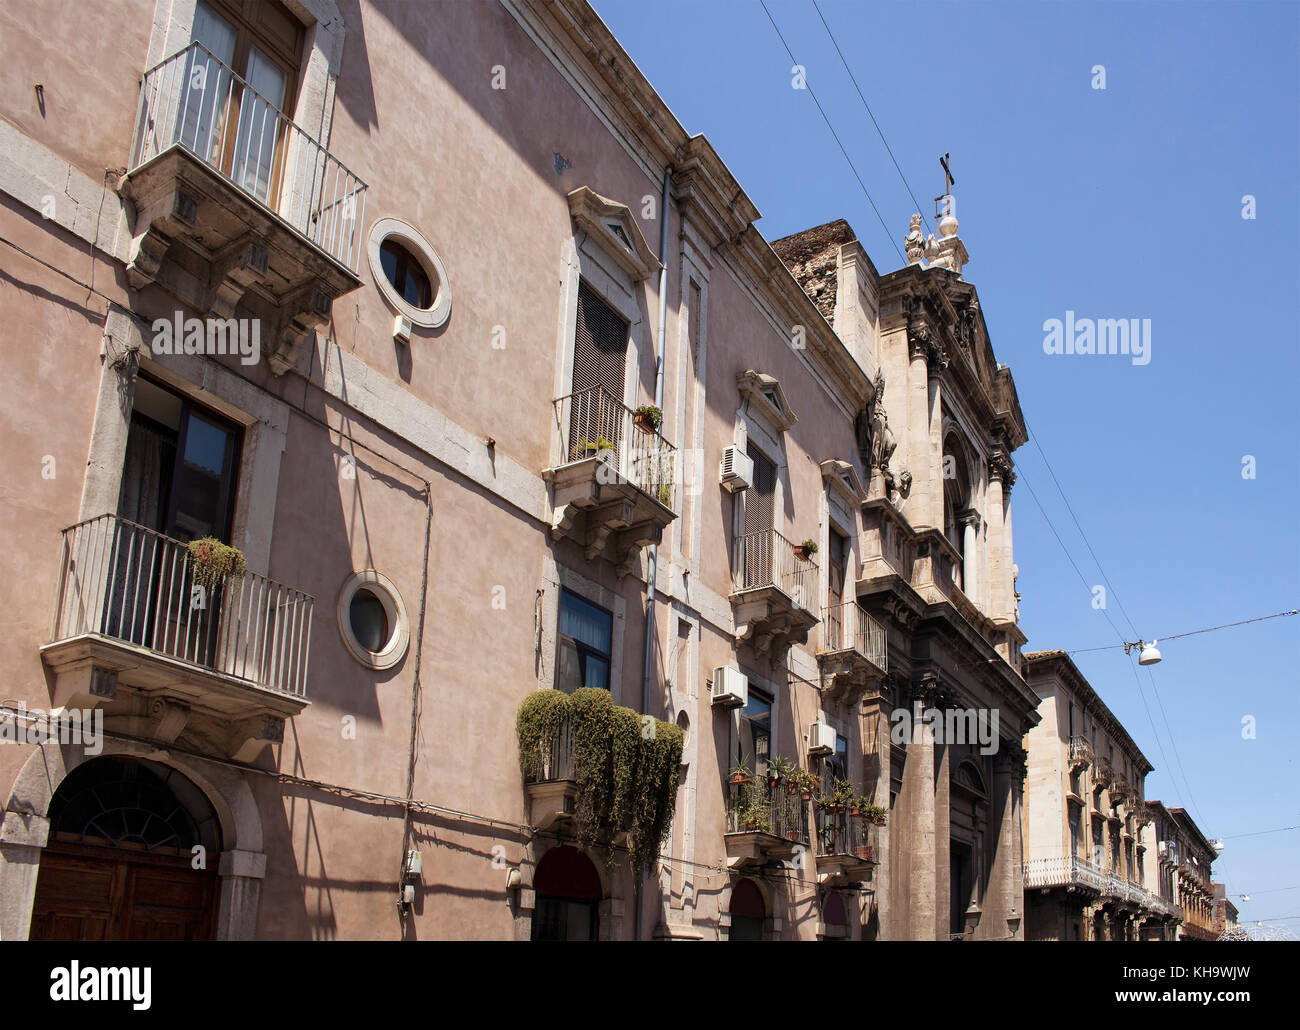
614 228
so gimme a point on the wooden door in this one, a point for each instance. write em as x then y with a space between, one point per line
93 893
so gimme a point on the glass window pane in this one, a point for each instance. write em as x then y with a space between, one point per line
597 673
369 620
585 622
568 675
258 125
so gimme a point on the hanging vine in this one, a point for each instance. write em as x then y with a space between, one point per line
626 766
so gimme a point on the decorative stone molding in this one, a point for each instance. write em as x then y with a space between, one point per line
439 310
762 394
617 232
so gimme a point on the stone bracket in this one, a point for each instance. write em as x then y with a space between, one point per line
234 269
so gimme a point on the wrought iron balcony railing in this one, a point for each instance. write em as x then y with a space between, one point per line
843 833
758 806
1080 752
194 101
767 559
127 583
848 627
593 423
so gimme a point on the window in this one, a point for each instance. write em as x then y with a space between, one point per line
261 43
586 633
179 474
403 271
408 272
755 741
838 560
599 346
372 620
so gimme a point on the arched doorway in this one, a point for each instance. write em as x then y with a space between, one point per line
120 860
568 897
748 912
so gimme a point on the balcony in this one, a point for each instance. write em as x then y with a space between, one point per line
234 202
218 665
845 853
553 791
853 657
766 822
772 591
613 479
1080 753
1103 775
1120 790
1067 871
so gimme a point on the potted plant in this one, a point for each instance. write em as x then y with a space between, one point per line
739 775
806 550
212 560
873 813
839 798
588 447
807 782
647 418
780 770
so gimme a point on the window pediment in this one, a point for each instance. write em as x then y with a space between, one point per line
767 398
842 477
613 227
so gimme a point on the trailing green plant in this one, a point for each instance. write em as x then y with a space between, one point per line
536 725
212 560
651 414
841 796
626 767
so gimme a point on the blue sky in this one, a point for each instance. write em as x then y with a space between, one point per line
1117 203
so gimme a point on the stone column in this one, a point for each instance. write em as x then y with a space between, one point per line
1006 894
921 502
970 525
914 890
999 583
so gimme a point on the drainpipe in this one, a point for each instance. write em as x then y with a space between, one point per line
654 548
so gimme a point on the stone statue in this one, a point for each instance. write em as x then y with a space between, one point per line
914 243
876 443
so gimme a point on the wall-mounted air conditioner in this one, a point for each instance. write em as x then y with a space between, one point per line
821 739
736 471
730 687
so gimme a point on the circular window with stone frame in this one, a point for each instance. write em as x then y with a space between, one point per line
372 620
409 273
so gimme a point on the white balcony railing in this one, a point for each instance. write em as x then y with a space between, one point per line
1064 871
593 423
767 559
128 583
848 627
194 101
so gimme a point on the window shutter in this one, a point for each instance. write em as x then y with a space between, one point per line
599 346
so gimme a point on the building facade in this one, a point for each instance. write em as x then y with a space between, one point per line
475 357
1090 872
1185 856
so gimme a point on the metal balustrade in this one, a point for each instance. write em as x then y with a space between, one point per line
848 627
843 833
767 559
194 101
758 806
593 423
1080 751
129 583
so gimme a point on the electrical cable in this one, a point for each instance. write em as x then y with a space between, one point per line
843 151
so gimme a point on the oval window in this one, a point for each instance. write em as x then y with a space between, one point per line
408 273
372 620
403 271
369 620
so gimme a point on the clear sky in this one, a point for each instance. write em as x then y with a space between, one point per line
1122 202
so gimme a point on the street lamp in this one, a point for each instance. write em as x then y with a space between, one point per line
1148 654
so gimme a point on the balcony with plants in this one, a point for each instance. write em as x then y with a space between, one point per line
218 175
179 639
597 772
853 658
773 587
846 824
767 812
613 476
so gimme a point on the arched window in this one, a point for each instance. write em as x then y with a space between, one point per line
568 897
747 912
835 917
956 490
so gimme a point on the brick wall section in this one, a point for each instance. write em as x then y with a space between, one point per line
813 259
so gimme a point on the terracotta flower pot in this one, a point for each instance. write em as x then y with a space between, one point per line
644 423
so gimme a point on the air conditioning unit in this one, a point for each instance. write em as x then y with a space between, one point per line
821 739
736 470
730 687
402 329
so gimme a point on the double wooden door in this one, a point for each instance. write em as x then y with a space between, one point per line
94 893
